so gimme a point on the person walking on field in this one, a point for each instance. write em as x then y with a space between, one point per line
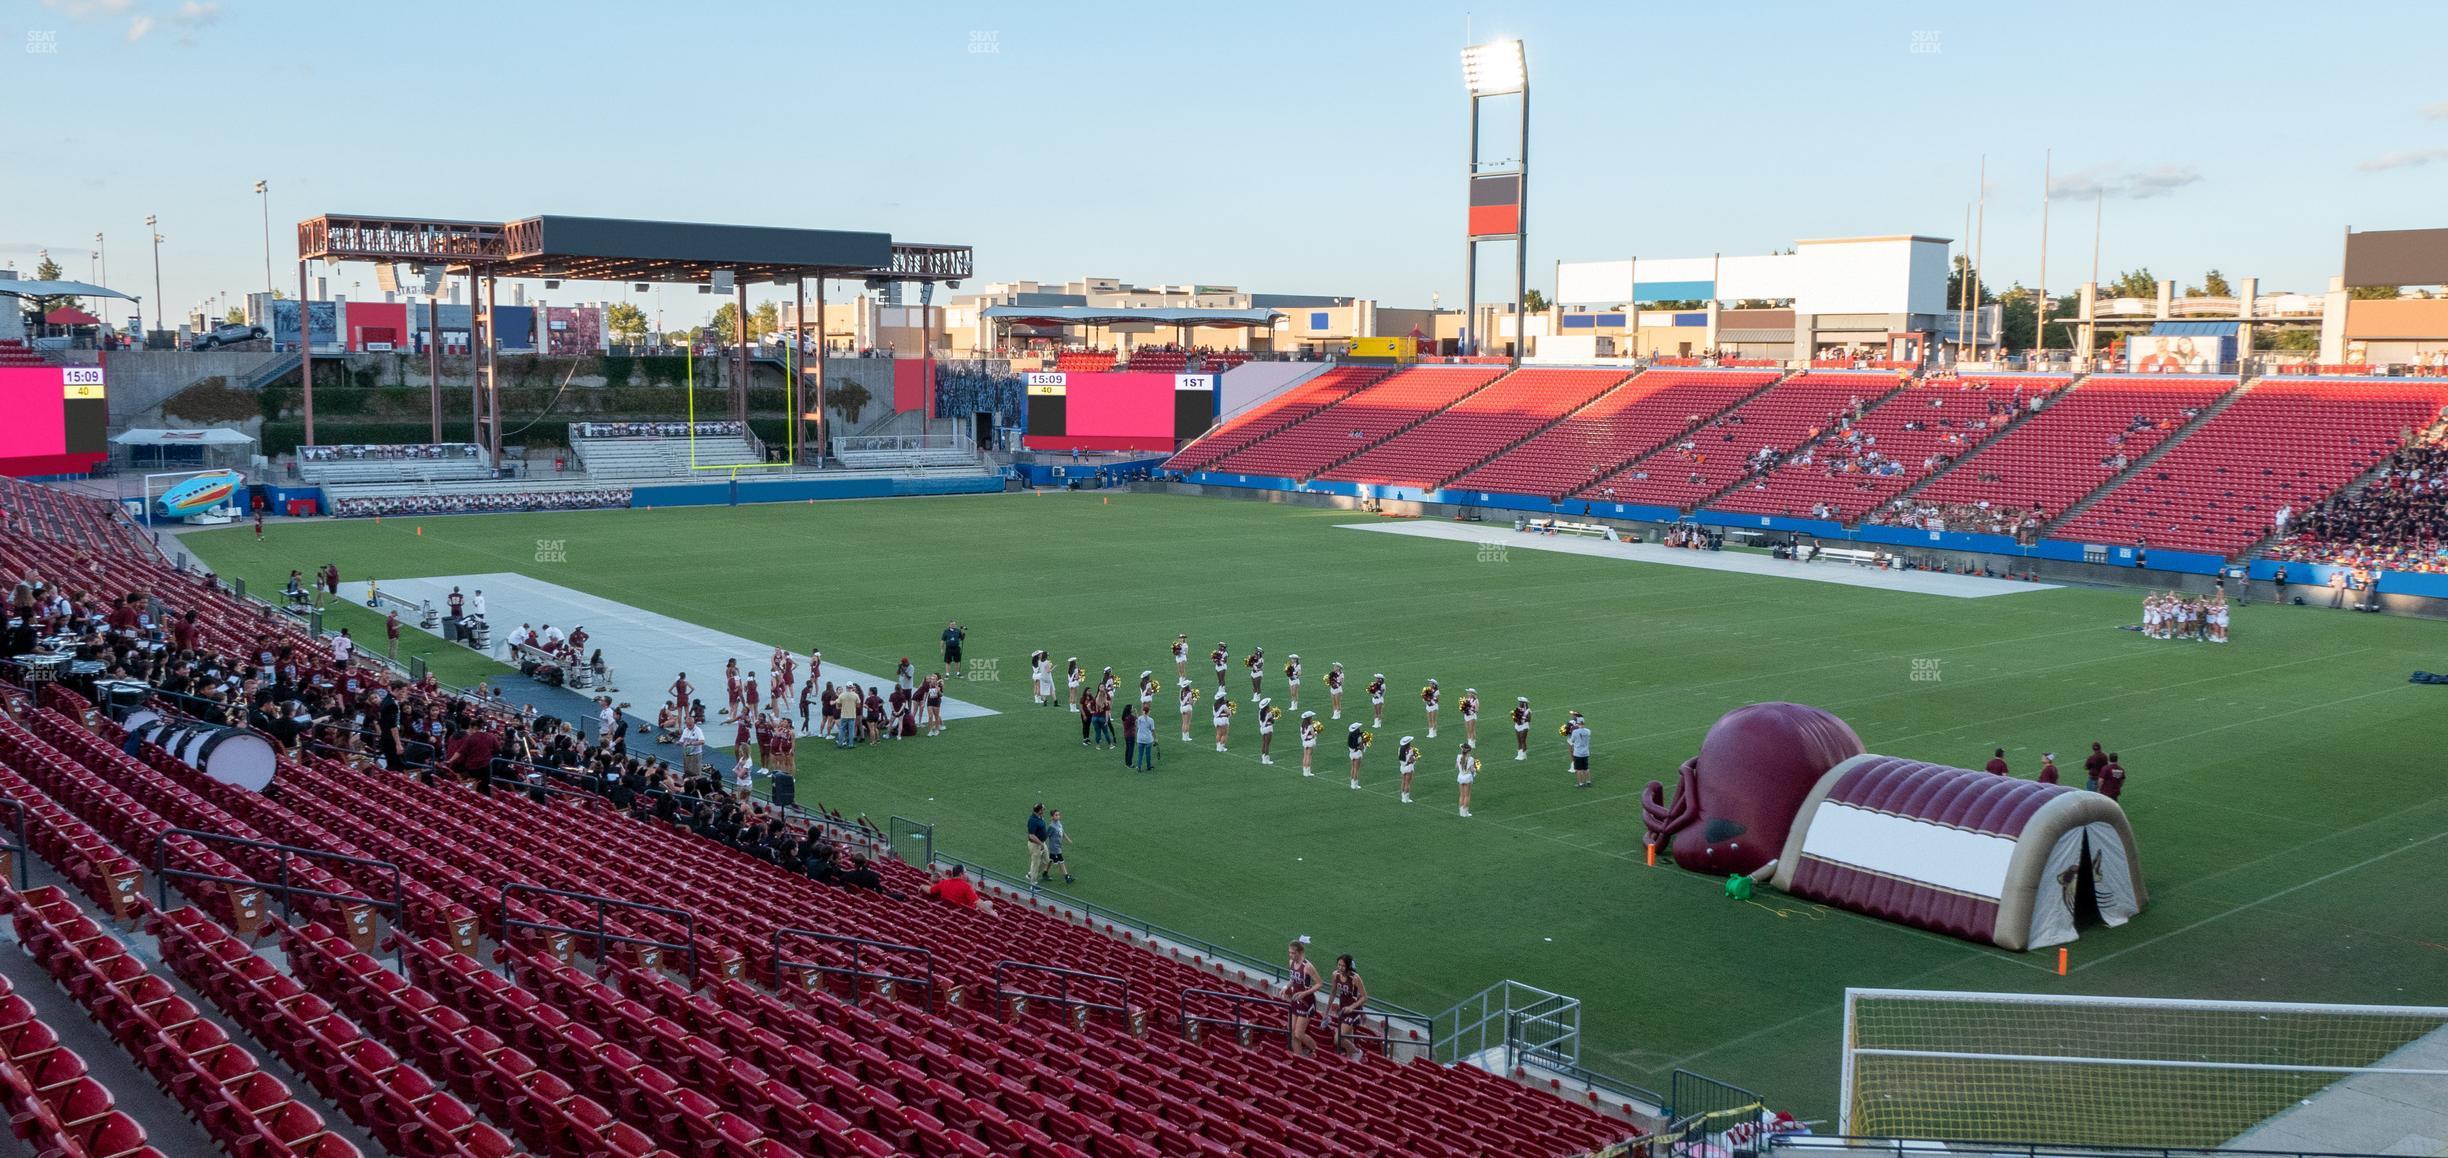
1579 737
953 638
1056 841
1037 858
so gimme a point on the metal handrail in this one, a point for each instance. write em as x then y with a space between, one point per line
1185 1020
601 933
395 908
1004 994
17 828
857 946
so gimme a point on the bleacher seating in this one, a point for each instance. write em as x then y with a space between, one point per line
1626 423
220 1083
1273 414
1911 436
1461 436
17 353
2079 440
1084 361
52 1102
1338 431
1158 360
465 1061
358 465
2398 521
1779 419
635 458
2282 442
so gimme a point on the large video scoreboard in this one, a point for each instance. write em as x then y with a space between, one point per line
57 419
1118 411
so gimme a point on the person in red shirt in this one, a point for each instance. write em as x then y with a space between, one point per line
2092 765
391 632
1997 763
2112 779
2048 767
954 887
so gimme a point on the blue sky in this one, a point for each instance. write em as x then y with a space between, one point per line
1311 148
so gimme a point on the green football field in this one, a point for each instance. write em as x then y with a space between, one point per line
2289 790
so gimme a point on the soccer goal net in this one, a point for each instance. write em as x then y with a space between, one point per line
2119 1071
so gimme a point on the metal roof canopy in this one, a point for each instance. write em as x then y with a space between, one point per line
624 250
1117 315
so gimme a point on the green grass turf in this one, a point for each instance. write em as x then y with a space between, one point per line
2287 789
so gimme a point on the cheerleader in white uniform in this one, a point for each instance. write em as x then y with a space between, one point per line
1267 715
1334 689
1105 687
1181 656
1470 715
1309 729
1359 742
1428 700
1292 674
1376 695
1041 679
1406 757
1189 704
1521 727
1466 772
1256 663
1223 720
1073 676
1221 657
1147 692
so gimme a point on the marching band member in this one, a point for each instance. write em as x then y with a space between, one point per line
1073 674
1466 772
1309 729
1221 657
1041 679
1292 672
1406 757
1334 689
1181 656
1267 715
1376 695
1428 699
1147 691
1223 720
1521 727
1358 742
1256 663
1470 715
1189 703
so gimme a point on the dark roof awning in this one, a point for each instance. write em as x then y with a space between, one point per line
623 249
1118 315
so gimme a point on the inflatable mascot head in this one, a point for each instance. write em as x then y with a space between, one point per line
1736 800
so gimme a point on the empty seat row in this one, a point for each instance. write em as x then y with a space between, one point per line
1469 431
1625 423
1273 414
252 1112
396 1103
1366 417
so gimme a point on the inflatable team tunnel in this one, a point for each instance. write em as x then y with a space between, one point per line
1785 792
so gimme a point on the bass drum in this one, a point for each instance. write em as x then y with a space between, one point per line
229 755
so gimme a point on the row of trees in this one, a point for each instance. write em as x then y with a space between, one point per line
628 325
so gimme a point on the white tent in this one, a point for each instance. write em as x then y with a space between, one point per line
210 436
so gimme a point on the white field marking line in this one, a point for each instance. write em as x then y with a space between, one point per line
1344 770
2293 849
1574 804
2121 695
2260 719
2223 915
1883 697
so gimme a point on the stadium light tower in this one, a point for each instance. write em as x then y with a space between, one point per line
1498 205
